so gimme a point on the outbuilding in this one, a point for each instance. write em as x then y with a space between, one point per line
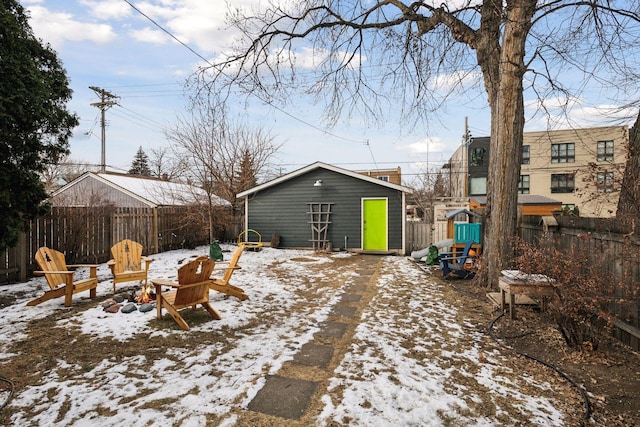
325 207
159 214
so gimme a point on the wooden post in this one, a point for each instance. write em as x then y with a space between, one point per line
22 257
155 230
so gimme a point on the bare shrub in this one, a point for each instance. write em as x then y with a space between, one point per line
584 290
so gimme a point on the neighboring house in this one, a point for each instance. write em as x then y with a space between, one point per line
394 176
149 210
556 165
325 207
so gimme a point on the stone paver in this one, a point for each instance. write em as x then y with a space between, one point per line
314 355
351 298
344 311
355 288
284 397
333 329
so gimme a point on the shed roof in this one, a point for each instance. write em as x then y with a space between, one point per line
321 165
151 191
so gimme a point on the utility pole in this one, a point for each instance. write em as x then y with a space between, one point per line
107 100
465 157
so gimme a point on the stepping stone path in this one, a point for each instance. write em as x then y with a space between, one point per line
289 394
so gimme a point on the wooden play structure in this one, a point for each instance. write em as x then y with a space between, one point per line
222 284
462 233
60 279
127 263
192 289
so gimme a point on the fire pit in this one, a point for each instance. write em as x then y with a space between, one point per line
145 295
142 300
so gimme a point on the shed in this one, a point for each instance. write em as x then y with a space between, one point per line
321 206
149 210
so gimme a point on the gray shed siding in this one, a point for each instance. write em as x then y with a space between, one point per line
91 191
282 209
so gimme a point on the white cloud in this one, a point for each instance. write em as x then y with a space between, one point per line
425 146
109 9
446 82
149 35
57 27
310 58
562 113
197 23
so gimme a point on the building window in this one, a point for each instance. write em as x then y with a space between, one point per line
562 183
563 153
526 154
523 184
605 151
384 178
477 157
604 182
478 186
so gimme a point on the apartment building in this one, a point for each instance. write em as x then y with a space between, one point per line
555 164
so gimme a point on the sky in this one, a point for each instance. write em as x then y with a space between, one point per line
109 45
450 372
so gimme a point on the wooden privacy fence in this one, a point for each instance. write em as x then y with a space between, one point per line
605 243
418 235
86 234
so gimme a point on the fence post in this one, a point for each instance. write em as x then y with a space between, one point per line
22 257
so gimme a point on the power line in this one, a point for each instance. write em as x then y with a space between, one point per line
107 100
324 131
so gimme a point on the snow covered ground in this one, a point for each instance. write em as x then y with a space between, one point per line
414 359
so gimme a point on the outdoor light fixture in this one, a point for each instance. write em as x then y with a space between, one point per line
318 183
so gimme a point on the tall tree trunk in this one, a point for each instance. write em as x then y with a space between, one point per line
504 86
629 201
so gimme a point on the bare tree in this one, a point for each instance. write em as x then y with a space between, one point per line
63 171
629 201
418 45
225 158
427 187
164 163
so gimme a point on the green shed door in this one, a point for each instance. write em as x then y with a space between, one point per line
374 224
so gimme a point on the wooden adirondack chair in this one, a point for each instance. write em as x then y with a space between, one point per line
126 265
192 289
60 278
222 284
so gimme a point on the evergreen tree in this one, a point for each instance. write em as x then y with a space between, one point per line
439 186
140 164
35 125
246 176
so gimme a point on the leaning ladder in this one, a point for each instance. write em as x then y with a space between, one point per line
319 215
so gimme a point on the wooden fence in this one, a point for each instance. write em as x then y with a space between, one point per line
85 235
605 242
418 235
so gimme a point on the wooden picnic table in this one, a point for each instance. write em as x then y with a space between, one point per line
522 284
